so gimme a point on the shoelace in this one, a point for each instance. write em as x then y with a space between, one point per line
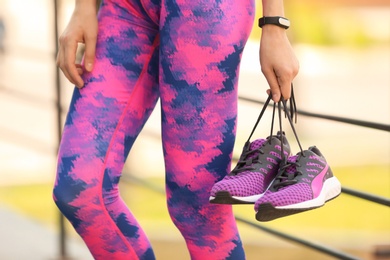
288 167
245 161
245 164
288 173
291 114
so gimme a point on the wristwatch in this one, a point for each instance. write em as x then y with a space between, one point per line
275 20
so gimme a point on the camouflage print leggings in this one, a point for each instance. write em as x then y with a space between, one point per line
187 54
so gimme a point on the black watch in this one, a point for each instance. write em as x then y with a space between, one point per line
275 20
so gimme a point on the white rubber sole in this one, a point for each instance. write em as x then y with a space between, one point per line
248 199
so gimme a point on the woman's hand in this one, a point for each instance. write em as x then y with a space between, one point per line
82 28
278 61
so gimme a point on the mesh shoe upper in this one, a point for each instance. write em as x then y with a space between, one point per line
255 170
300 180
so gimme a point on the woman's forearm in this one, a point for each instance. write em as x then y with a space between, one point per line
86 4
273 8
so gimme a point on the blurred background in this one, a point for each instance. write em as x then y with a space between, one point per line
344 52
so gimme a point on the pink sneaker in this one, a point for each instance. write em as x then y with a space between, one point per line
305 182
257 167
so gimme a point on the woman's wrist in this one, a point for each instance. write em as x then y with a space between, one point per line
271 29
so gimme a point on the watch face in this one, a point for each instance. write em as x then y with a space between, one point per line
284 22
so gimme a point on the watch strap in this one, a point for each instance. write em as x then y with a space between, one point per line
275 20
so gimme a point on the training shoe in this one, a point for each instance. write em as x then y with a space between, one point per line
256 168
305 182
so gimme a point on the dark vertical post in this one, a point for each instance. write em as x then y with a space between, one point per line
62 236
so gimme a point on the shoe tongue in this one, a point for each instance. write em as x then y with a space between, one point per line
257 144
292 167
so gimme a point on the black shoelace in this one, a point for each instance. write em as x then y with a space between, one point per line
245 161
285 177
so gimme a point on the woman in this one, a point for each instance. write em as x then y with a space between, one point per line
187 54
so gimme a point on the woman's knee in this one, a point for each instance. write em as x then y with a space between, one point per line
65 192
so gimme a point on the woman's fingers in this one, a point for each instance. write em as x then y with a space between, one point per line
273 83
69 58
82 28
60 64
79 69
89 55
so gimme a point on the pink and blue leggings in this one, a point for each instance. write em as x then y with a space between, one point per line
187 54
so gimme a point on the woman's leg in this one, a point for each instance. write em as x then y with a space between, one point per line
201 43
103 122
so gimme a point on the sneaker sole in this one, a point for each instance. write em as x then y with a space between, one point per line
224 197
331 190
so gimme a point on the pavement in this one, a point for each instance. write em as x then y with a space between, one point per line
23 238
